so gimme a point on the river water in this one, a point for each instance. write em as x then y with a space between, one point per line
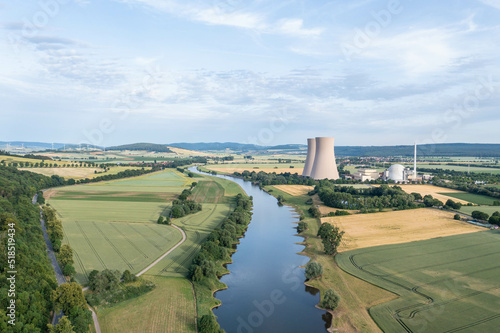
266 291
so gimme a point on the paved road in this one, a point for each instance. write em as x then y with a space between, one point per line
166 253
57 269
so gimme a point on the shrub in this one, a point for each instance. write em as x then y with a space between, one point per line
457 217
313 270
330 300
301 227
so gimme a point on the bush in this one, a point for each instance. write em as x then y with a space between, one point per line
457 217
313 270
208 324
301 227
480 215
330 300
315 212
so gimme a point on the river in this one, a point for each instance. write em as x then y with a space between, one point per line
266 291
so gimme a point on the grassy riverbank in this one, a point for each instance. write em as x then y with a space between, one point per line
356 295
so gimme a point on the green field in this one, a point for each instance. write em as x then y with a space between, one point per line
445 284
471 197
113 224
472 168
170 307
487 209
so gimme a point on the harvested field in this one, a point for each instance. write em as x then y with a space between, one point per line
266 167
65 172
436 192
365 230
295 190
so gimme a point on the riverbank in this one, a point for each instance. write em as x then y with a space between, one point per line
357 296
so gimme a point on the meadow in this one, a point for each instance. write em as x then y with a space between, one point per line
447 284
170 307
443 166
440 193
473 198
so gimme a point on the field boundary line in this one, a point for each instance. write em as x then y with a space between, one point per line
166 253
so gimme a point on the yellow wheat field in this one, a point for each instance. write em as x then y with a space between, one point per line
365 230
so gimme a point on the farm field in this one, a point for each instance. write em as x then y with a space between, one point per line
113 224
487 209
294 190
447 284
266 167
170 307
367 230
440 193
78 173
443 166
215 195
471 197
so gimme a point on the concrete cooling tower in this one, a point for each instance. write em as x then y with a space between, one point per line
311 153
324 165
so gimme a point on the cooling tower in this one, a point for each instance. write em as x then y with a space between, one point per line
311 153
324 160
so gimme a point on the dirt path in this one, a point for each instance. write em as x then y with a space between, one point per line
166 253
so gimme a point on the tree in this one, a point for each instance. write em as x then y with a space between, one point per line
479 215
197 273
128 277
417 196
324 230
63 326
68 296
457 217
208 324
69 270
81 319
313 270
330 300
65 255
314 211
160 220
332 240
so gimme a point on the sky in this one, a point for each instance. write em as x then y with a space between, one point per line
366 72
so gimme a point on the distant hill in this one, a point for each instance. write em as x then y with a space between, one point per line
439 149
203 146
143 146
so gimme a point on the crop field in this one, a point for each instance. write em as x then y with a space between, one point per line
266 167
447 284
78 173
294 189
472 168
117 245
170 307
471 197
367 230
113 224
440 193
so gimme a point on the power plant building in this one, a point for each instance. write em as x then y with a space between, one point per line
320 161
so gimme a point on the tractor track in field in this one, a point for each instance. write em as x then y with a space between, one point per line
156 232
113 246
147 239
129 241
90 245
481 321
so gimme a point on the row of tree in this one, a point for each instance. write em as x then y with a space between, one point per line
216 250
35 279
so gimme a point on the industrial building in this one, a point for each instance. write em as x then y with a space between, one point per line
320 161
366 174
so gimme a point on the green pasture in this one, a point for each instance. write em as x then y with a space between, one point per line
207 191
447 284
471 197
487 209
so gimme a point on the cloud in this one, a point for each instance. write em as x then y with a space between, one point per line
230 13
492 3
